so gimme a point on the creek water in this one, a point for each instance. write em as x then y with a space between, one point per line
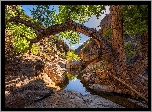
74 83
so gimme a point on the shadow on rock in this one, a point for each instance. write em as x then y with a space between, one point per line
27 94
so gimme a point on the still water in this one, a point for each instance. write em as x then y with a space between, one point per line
77 86
74 83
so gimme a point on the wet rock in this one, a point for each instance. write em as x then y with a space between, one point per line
143 104
100 88
95 101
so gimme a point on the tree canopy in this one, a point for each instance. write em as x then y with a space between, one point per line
46 16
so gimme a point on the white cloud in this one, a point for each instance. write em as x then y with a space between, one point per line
80 43
94 22
72 46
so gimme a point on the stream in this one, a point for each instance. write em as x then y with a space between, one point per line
74 83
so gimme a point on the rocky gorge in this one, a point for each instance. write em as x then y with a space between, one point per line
38 81
38 89
35 81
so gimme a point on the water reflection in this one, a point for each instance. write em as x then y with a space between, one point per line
74 82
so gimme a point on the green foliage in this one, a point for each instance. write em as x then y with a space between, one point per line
35 49
21 30
128 46
72 56
72 36
12 12
48 15
21 45
135 19
79 13
9 14
107 34
70 76
130 54
130 50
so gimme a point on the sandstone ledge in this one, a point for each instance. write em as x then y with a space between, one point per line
73 99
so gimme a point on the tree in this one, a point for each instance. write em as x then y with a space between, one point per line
69 22
72 56
119 62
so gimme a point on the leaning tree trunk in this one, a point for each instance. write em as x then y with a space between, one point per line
123 75
117 42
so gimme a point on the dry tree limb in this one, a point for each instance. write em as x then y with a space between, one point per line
128 86
145 78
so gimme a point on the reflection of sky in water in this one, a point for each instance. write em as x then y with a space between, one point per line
77 86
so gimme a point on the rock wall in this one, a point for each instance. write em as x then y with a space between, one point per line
105 23
90 52
29 78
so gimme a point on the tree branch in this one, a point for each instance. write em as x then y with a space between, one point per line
18 20
103 44
130 87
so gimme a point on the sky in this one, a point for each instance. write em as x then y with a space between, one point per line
92 23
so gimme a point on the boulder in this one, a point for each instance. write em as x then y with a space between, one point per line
74 64
90 52
54 71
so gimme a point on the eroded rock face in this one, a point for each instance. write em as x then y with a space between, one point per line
27 80
73 99
95 75
90 52
54 71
